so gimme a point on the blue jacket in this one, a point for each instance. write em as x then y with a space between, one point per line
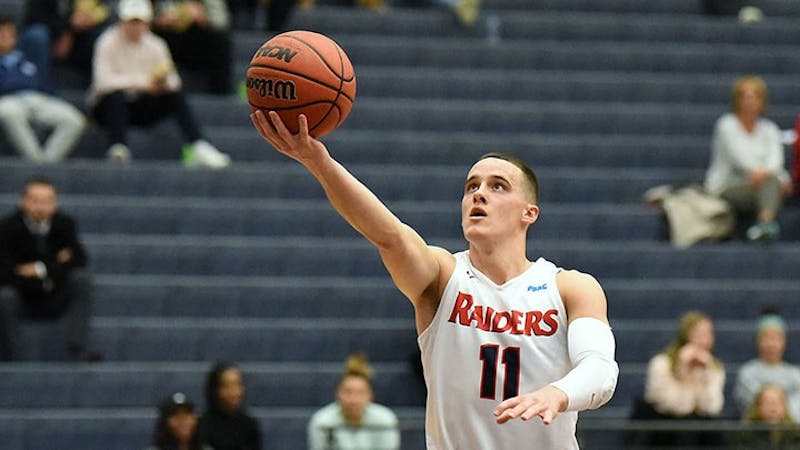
18 74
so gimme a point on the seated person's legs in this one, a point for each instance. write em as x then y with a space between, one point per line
111 112
15 121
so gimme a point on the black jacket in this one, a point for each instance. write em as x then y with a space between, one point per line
18 246
237 431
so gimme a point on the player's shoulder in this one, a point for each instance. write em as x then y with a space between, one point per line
569 277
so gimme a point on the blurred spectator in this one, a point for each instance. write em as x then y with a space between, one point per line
65 31
685 381
353 421
226 425
25 102
43 272
176 426
135 82
747 160
769 367
197 33
775 427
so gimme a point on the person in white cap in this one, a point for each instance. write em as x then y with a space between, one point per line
769 367
134 82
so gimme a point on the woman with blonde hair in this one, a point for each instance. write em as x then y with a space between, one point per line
354 421
686 379
775 426
747 159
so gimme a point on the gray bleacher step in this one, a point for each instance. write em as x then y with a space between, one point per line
539 24
438 148
332 340
466 53
496 116
433 147
315 296
200 216
293 256
559 85
142 384
391 182
689 8
269 385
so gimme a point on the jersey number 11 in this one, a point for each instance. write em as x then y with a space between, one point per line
509 358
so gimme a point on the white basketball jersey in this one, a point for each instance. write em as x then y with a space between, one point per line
487 343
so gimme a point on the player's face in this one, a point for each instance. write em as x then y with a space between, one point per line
39 202
354 395
495 201
231 390
771 345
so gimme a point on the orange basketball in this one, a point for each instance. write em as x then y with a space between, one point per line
301 72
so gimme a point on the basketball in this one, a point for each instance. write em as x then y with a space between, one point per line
302 72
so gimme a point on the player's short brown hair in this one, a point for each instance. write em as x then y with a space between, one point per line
530 175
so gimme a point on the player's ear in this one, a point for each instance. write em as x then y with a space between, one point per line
530 214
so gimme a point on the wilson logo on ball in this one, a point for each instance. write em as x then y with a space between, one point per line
279 89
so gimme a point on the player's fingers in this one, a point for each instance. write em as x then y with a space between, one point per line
506 404
262 124
302 121
512 412
280 127
265 129
535 409
547 416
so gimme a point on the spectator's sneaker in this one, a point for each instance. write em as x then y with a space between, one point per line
119 153
764 232
203 154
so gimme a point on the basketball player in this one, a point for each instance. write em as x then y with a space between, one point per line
502 338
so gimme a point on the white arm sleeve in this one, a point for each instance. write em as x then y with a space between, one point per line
593 378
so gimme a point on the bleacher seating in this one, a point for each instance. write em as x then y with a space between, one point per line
605 98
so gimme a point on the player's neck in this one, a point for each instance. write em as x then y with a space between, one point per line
500 264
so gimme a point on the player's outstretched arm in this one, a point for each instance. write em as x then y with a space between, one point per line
593 378
413 265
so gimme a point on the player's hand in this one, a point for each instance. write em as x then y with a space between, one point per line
546 403
301 147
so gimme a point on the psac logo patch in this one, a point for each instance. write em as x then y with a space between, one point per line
541 287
